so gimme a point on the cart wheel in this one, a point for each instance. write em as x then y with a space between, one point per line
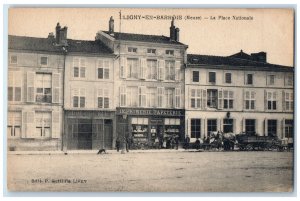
249 147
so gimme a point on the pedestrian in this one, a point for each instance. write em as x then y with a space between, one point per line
187 142
197 144
118 143
126 142
176 142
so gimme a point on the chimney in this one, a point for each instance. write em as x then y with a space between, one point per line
260 57
57 32
172 31
111 25
177 34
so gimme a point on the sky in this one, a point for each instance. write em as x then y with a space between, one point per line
216 33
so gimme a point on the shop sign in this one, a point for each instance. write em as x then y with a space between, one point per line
158 112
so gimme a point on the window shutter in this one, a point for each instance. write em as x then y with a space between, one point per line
10 78
55 124
265 127
55 87
204 98
17 79
177 97
24 117
243 125
246 95
266 100
283 128
30 124
123 67
234 126
220 99
143 68
142 95
177 70
30 86
220 125
283 101
161 70
122 96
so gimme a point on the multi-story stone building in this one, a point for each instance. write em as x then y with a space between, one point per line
35 95
238 93
149 84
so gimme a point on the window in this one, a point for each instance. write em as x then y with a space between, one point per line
79 68
249 100
271 100
151 51
103 69
44 61
211 126
169 97
195 76
289 101
78 98
132 96
271 79
212 98
228 99
142 96
14 86
13 59
289 128
228 78
132 68
132 49
14 124
272 127
170 70
170 52
152 69
195 128
249 79
43 88
228 125
160 96
151 101
195 98
43 124
289 80
212 77
250 126
103 98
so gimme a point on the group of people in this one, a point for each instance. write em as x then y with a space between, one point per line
124 142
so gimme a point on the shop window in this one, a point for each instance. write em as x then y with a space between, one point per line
195 76
14 86
170 70
250 126
140 129
272 127
103 69
212 98
195 128
249 100
152 69
228 125
172 127
211 126
132 68
43 88
14 122
43 124
212 77
289 128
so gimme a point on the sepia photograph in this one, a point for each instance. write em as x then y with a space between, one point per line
150 100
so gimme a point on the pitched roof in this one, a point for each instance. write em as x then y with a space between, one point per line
143 38
230 61
48 45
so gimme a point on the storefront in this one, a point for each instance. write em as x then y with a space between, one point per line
150 128
88 130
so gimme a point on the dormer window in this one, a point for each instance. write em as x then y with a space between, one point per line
132 49
170 52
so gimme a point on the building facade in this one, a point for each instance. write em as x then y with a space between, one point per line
236 94
149 85
35 95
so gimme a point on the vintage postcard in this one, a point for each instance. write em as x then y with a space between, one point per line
150 100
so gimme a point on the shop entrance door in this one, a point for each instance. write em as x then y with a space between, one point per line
84 134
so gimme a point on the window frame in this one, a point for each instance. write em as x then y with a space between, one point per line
196 133
10 59
169 52
209 77
133 50
247 78
47 59
195 71
225 78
